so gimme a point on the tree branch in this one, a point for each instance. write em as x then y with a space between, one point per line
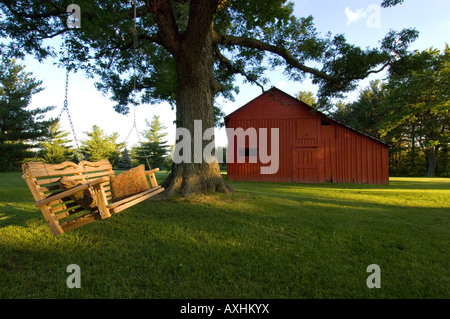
282 52
379 70
56 12
230 67
167 25
154 39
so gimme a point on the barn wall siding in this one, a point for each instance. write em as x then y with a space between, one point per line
312 147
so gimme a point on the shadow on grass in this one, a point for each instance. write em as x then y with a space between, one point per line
267 240
233 246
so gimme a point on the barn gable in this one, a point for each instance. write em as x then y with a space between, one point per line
272 104
312 147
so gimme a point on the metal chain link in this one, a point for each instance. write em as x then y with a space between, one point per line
134 127
66 109
58 118
72 127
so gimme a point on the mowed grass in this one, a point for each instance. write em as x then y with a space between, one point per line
266 240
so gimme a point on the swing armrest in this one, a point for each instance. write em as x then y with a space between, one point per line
71 191
152 171
151 175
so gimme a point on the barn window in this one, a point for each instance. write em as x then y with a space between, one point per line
248 152
324 123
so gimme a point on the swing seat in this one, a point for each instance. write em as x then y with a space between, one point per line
61 209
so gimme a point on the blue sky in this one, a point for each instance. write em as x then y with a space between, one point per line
363 22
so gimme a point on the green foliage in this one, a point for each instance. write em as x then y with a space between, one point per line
99 145
221 152
155 148
418 103
248 38
410 112
364 114
21 129
54 149
307 97
124 162
390 3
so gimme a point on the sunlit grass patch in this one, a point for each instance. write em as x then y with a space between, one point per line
265 240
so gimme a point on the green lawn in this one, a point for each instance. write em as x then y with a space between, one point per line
267 240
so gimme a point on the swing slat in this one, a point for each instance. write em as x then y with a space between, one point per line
56 206
70 192
138 198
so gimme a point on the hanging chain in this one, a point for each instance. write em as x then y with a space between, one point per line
58 118
134 127
72 127
66 109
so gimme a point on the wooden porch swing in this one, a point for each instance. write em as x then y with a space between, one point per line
71 195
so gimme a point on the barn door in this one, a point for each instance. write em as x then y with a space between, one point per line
306 168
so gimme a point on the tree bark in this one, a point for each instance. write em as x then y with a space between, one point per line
432 160
196 88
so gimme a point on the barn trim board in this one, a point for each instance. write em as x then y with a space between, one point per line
313 148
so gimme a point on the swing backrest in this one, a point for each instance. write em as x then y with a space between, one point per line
43 181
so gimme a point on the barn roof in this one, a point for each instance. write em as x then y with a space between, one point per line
275 89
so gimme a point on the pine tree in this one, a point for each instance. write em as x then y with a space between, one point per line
124 161
99 145
155 148
54 148
21 129
307 97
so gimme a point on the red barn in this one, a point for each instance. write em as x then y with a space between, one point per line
304 145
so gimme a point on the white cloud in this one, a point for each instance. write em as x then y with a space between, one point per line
354 16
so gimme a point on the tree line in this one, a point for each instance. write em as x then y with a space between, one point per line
153 151
409 111
26 135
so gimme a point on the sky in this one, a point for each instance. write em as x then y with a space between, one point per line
363 22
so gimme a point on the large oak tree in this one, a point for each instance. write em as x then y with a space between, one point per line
188 52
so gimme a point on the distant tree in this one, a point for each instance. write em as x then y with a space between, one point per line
21 129
76 157
134 155
307 97
155 148
222 151
168 160
365 113
99 146
55 149
418 102
124 161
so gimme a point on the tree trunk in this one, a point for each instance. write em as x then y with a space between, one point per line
196 88
431 161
